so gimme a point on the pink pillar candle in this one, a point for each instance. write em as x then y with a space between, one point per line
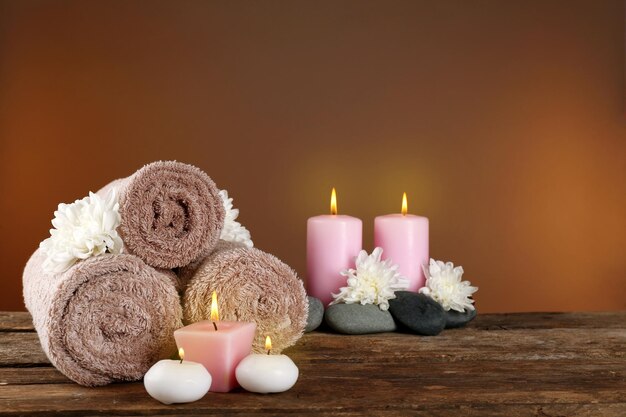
219 351
404 239
333 242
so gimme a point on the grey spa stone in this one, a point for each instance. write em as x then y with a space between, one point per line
418 313
455 319
316 314
359 319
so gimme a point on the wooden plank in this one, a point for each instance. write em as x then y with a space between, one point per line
504 365
354 393
513 321
21 321
583 344
22 349
485 373
16 321
496 410
36 375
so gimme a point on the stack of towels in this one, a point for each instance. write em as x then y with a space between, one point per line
109 317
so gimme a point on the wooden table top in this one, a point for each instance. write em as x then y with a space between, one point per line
537 364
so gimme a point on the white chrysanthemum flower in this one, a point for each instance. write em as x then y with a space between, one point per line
233 231
372 282
444 284
82 229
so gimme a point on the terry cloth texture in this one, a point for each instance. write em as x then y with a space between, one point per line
186 273
108 318
171 213
251 286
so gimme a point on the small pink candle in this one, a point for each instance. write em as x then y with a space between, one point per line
218 345
404 239
333 242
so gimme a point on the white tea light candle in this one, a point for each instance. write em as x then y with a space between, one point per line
266 373
171 381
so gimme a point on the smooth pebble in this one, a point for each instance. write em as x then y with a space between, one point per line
359 319
316 314
418 313
455 319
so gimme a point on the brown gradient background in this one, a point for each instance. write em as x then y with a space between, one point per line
502 120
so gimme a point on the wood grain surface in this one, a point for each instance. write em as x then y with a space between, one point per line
531 364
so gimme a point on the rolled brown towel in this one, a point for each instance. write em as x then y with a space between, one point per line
251 286
172 213
107 318
184 275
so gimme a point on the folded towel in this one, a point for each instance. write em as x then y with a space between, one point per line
184 275
107 318
172 213
252 286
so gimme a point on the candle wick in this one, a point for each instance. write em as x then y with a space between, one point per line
268 351
215 325
181 360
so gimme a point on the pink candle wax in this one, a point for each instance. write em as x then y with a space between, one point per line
404 239
219 351
332 244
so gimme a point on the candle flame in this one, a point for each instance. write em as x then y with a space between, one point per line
405 205
268 344
333 202
214 313
181 354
